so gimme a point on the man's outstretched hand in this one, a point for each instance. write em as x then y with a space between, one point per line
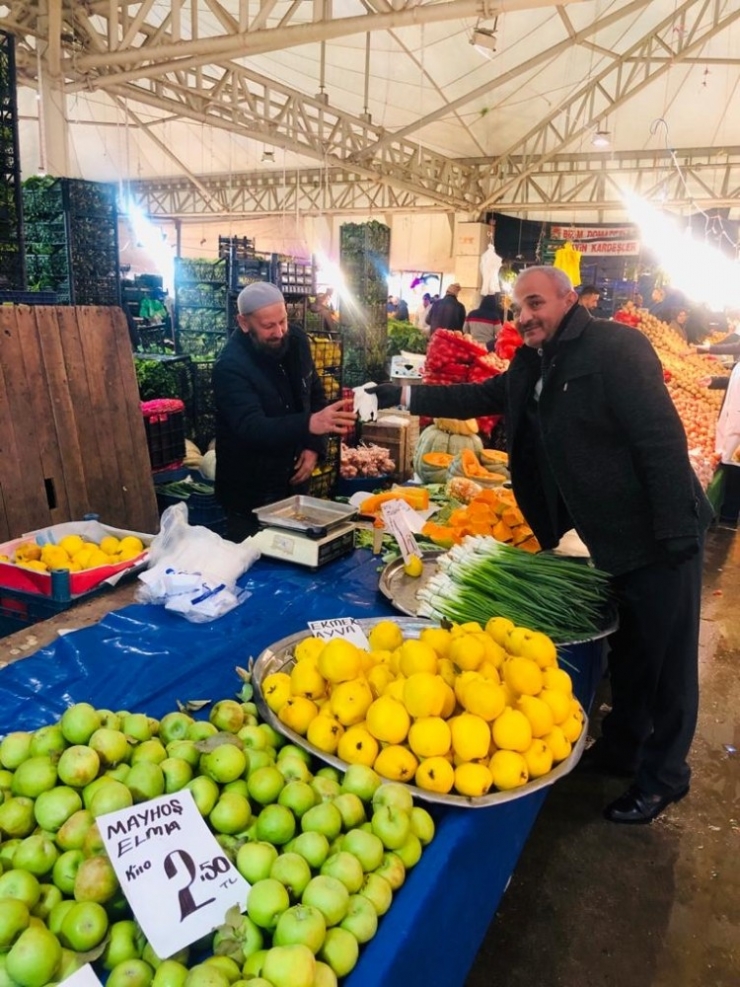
388 395
334 419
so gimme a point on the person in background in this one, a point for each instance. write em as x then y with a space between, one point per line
484 322
400 310
595 443
271 413
323 306
420 315
659 305
447 312
729 346
589 297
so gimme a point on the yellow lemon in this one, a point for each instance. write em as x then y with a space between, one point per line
308 647
276 690
516 638
557 678
498 628
396 763
471 736
508 770
469 627
394 689
461 683
367 661
435 774
297 713
357 746
4 557
489 671
438 638
572 726
378 678
339 660
350 701
511 731
448 707
72 544
523 675
492 652
306 680
540 648
97 558
430 736
74 566
538 757
110 545
466 652
131 544
538 713
54 555
416 656
382 657
36 565
325 733
558 744
473 780
82 557
558 702
423 694
27 551
385 636
484 698
127 554
414 566
447 670
388 720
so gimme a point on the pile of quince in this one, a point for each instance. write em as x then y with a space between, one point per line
75 554
462 709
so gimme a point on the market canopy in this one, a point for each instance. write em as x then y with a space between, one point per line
244 107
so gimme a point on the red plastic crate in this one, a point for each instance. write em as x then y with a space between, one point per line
164 422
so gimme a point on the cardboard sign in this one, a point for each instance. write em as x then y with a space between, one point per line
172 871
345 627
84 977
396 517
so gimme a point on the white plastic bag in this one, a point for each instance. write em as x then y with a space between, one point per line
192 570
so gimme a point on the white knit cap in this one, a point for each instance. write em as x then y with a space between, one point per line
256 296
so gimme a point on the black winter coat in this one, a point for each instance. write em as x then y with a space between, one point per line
446 313
613 440
263 408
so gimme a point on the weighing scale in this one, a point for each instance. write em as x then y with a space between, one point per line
305 530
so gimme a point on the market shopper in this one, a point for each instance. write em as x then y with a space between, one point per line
589 297
271 413
447 312
484 323
595 444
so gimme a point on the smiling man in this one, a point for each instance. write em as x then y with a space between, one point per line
271 413
595 443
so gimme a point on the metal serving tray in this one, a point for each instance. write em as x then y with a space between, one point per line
310 515
401 589
278 657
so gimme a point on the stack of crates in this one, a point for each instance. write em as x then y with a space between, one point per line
164 423
201 289
326 350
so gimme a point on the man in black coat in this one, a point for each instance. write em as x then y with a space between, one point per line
595 444
447 312
271 413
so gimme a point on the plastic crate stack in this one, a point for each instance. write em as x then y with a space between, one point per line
204 406
71 240
235 247
12 274
295 277
166 376
164 423
326 350
201 290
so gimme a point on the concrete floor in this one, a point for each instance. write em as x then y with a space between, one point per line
594 904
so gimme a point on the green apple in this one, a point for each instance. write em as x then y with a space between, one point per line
312 846
327 789
71 835
145 781
361 918
6 780
323 818
289 966
253 965
57 914
154 961
204 975
16 817
329 895
392 825
84 926
351 810
259 759
93 842
231 814
34 957
121 944
378 892
340 951
48 741
7 852
292 870
95 880
298 796
301 924
324 975
111 746
362 781
89 790
254 861
177 773
34 776
65 870
393 793
51 896
293 768
238 940
366 847
36 854
109 719
275 824
152 750
170 973
345 868
14 919
78 766
119 773
265 784
422 825
110 798
410 852
15 748
22 885
184 750
252 737
205 793
174 727
227 715
79 723
53 808
266 901
201 730
130 973
226 965
239 786
329 771
274 739
224 764
137 727
392 869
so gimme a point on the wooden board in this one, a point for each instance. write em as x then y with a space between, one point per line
72 436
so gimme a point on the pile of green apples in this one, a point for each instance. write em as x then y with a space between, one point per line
323 851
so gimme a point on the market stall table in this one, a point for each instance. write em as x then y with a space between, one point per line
145 658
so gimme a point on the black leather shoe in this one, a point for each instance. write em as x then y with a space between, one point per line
597 758
636 807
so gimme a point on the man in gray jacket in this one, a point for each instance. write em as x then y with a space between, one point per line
595 443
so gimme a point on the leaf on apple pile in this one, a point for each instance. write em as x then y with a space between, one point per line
217 740
192 705
93 954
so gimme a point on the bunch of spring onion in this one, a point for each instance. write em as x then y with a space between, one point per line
482 578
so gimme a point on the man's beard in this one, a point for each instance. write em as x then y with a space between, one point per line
275 351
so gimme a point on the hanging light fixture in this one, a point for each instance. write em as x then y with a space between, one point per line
601 138
483 39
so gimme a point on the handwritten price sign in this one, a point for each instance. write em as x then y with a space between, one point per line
345 627
171 869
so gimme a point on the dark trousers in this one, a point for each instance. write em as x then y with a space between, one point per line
240 526
653 666
730 508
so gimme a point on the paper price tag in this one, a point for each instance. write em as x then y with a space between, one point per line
172 871
344 627
396 522
84 977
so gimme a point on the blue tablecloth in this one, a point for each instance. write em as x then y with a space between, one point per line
144 658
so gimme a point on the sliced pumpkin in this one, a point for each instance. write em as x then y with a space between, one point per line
439 459
495 456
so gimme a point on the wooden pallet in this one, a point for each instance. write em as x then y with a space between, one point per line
72 438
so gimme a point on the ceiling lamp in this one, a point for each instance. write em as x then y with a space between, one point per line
601 139
484 37
268 157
